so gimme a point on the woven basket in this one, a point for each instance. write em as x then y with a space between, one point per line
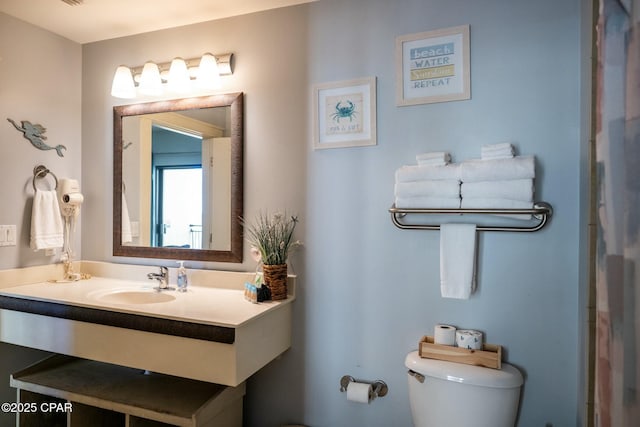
275 277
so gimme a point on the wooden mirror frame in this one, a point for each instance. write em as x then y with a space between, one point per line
233 100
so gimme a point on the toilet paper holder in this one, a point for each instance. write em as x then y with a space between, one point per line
380 388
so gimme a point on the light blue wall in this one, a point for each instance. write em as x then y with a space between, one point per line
370 290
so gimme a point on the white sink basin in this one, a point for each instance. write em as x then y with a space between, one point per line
133 296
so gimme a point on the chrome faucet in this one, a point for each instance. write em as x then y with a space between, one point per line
162 278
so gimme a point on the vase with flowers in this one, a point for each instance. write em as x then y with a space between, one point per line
272 238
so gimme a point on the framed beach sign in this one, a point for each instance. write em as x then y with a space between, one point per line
344 113
433 66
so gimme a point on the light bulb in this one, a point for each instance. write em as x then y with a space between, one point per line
123 86
208 76
179 80
150 82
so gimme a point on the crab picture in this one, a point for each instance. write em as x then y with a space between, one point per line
343 111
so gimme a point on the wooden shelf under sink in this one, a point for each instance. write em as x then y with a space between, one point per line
101 393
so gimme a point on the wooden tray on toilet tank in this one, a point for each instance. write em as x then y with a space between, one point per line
490 356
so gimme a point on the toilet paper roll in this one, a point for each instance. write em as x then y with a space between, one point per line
444 335
73 199
359 392
469 339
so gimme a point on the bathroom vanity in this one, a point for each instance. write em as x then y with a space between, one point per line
209 334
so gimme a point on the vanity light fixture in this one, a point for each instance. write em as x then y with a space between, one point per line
177 74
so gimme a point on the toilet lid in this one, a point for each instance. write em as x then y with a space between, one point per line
507 377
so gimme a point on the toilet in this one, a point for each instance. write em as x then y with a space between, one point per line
448 394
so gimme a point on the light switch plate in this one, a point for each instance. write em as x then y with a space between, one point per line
7 235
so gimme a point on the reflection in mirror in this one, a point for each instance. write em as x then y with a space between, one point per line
178 179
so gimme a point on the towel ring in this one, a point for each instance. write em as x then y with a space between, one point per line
41 171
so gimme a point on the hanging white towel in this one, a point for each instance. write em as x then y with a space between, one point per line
126 235
47 230
457 260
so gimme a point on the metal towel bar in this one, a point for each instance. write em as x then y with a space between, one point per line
541 212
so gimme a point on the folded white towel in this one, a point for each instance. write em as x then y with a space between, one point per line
489 203
515 189
47 230
409 173
428 202
492 156
126 235
436 188
497 151
457 260
519 167
432 162
434 158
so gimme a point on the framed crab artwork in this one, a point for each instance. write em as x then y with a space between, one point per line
344 113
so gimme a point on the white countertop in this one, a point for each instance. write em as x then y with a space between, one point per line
200 304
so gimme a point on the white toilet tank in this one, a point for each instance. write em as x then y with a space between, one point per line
459 395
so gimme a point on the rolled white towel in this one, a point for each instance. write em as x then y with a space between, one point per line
515 189
434 188
519 167
428 202
410 173
497 151
435 158
495 203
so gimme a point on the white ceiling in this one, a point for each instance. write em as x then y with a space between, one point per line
95 20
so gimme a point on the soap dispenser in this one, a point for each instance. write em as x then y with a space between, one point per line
182 277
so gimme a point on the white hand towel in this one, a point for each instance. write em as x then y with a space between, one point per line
428 202
428 172
457 260
489 203
435 158
435 188
47 230
497 151
520 167
514 189
126 222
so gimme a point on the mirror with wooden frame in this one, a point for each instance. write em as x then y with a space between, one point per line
178 179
